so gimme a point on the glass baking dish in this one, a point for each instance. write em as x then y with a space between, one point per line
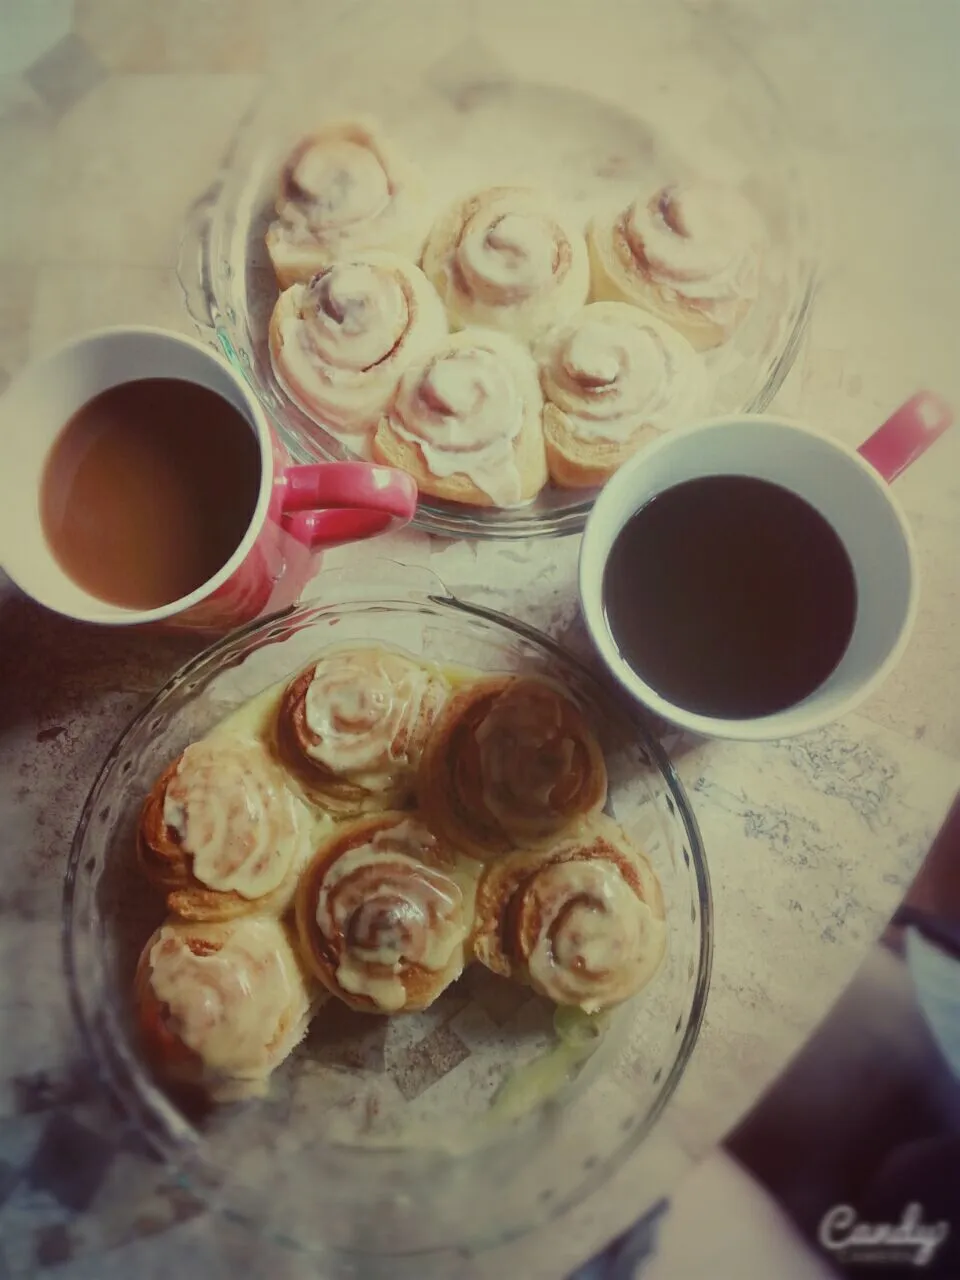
459 1127
592 103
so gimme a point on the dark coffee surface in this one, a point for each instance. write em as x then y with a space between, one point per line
148 491
730 596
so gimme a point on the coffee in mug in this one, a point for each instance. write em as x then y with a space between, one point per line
748 577
730 595
148 491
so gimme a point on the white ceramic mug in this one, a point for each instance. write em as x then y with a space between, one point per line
300 509
850 492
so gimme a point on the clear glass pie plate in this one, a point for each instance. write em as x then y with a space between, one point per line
593 103
460 1127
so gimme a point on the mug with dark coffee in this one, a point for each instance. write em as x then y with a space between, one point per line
751 578
144 484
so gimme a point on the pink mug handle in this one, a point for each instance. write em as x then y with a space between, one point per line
907 433
342 502
335 502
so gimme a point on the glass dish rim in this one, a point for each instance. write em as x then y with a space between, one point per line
196 274
134 1096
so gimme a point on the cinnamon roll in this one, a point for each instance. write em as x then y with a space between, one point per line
339 343
582 921
353 725
510 762
384 913
221 1005
344 190
614 378
466 422
222 834
504 259
689 254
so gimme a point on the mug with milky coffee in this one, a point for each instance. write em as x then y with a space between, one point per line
143 484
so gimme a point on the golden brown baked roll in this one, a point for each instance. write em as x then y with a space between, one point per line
614 377
340 342
384 914
582 921
503 258
353 725
222 834
688 254
343 190
466 422
510 762
220 1005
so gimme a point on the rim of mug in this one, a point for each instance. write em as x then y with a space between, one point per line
257 420
793 720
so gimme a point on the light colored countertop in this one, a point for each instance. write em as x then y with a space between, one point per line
113 115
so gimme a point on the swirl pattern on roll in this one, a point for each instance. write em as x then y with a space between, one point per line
340 342
613 377
504 258
510 763
221 832
582 921
344 190
353 726
466 422
221 1004
384 913
689 254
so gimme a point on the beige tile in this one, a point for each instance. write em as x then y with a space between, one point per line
296 26
342 51
26 161
71 300
130 158
874 341
848 71
178 35
16 304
